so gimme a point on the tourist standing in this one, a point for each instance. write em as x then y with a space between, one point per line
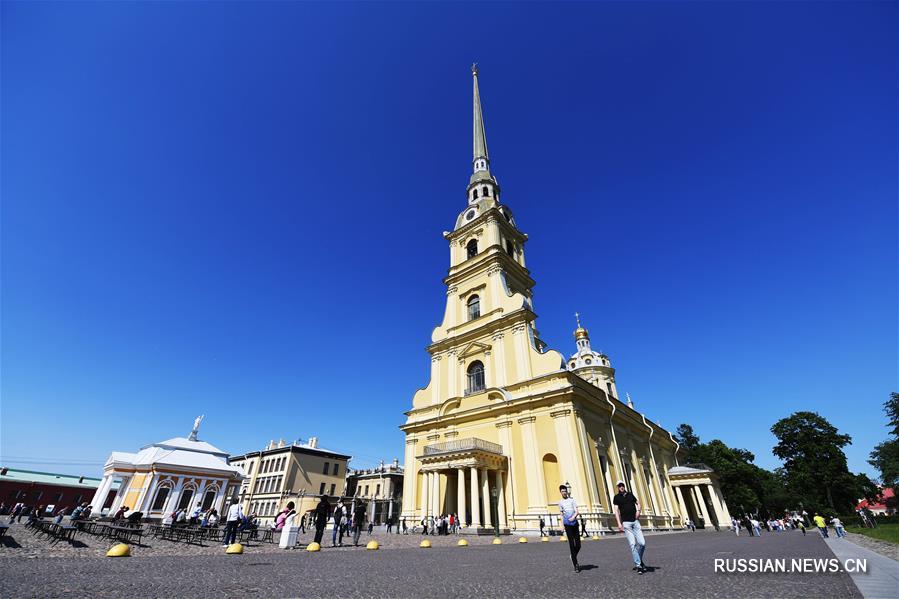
627 511
358 521
286 513
320 517
338 520
235 518
568 507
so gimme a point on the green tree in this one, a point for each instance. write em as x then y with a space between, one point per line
885 456
688 442
814 463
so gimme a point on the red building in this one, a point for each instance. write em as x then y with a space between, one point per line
48 489
879 507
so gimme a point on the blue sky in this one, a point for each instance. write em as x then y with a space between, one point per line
235 209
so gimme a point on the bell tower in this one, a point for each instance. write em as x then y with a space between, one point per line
488 337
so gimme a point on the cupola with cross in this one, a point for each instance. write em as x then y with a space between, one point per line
592 366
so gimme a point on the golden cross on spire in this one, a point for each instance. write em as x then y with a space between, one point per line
474 68
578 318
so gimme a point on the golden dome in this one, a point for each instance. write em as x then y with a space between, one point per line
580 333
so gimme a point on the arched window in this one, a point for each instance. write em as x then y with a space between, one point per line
475 194
551 477
159 501
475 377
472 248
510 249
474 307
486 192
209 497
184 500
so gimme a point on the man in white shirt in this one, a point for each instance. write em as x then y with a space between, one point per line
568 507
235 517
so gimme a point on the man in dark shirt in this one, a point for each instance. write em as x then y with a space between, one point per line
627 510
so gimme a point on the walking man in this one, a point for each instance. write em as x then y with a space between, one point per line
320 518
627 511
568 507
821 524
235 517
542 526
358 521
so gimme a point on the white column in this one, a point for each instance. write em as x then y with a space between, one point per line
460 492
100 495
425 487
500 498
475 499
485 493
683 506
719 513
145 501
699 500
723 505
410 476
435 494
499 361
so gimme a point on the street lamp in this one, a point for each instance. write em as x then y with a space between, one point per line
495 510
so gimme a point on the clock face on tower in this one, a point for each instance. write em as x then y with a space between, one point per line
469 215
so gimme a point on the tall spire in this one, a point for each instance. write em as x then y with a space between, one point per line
480 137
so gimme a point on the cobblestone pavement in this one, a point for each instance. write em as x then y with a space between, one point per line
884 548
683 566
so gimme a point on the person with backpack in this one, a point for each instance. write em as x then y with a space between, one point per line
358 521
320 518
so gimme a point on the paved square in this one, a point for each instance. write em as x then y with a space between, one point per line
682 562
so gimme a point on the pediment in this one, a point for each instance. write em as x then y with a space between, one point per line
473 348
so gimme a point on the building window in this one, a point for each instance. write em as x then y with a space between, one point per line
475 377
366 491
56 498
609 387
510 249
485 191
184 501
378 487
336 469
321 489
159 503
333 487
325 469
208 498
475 196
474 307
472 248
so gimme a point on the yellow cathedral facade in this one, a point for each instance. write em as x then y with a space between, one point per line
504 421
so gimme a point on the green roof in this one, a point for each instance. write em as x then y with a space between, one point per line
49 478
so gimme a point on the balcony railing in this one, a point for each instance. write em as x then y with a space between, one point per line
463 445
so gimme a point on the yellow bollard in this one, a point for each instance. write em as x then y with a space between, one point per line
234 549
372 545
497 541
426 544
563 538
313 546
462 543
522 539
544 539
119 550
595 537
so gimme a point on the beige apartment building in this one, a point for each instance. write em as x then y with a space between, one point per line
282 472
381 489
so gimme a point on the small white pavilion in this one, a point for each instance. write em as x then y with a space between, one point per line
162 477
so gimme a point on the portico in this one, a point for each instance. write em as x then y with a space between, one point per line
699 495
465 477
